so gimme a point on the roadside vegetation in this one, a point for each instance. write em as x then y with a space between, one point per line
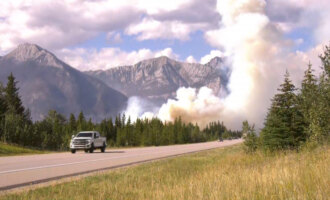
11 150
227 173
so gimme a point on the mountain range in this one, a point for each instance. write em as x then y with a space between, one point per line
46 82
158 79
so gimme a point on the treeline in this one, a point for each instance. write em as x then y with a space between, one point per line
296 118
54 131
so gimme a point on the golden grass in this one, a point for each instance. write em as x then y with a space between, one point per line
216 174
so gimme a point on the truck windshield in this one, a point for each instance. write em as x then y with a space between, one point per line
85 135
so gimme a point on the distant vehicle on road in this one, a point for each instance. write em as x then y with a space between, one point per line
88 141
220 139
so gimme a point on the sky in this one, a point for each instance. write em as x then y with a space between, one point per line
102 34
259 40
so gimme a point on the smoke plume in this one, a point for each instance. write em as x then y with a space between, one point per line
258 55
252 47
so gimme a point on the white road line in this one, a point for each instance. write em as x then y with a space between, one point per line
101 159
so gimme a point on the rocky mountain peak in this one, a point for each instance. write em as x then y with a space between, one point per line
215 61
159 61
158 79
47 83
32 52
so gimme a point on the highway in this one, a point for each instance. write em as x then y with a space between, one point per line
18 171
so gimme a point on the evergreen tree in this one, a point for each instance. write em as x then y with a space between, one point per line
308 98
325 58
16 118
250 137
3 106
72 124
13 101
81 122
3 110
90 125
320 121
284 123
111 135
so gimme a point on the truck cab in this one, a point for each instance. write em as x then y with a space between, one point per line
87 141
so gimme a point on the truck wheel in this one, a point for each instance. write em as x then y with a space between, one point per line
73 151
86 150
91 150
103 148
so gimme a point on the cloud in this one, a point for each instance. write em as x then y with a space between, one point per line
58 24
191 59
114 37
294 14
213 53
105 58
177 22
150 28
61 24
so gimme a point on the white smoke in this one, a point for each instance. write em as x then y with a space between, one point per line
252 47
258 55
137 107
192 106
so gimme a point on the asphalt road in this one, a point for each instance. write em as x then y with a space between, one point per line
17 171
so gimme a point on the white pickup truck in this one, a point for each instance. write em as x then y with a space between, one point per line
88 141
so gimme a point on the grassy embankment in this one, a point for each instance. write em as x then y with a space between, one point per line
12 150
216 174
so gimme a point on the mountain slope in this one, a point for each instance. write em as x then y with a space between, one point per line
158 79
48 83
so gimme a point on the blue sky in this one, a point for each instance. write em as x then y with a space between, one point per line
195 45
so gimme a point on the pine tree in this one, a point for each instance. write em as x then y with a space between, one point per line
81 122
129 131
13 101
308 99
16 118
250 137
325 58
320 123
284 123
3 106
111 136
72 124
3 110
90 125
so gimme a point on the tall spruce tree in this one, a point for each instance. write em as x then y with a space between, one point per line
321 118
81 122
284 123
13 101
72 123
3 110
3 106
308 98
250 137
